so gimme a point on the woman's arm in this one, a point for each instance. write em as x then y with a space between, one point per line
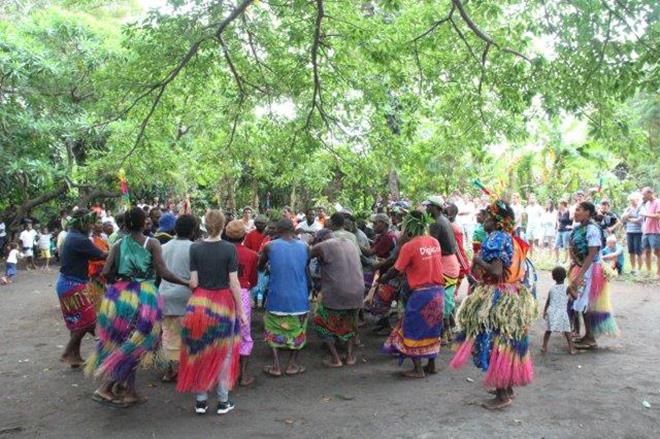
494 268
109 269
235 287
579 278
194 280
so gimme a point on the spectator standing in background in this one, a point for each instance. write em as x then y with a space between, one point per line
633 219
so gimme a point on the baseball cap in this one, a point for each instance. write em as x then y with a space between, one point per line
434 200
380 217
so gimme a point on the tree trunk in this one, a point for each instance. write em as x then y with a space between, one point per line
292 200
255 194
393 183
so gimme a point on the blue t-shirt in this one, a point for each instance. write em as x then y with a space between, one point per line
498 245
77 251
619 249
288 289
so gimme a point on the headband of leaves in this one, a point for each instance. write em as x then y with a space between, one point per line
503 219
79 222
417 224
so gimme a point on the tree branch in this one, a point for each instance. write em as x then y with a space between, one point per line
435 25
162 85
316 97
483 35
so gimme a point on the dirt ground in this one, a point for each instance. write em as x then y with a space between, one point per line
598 394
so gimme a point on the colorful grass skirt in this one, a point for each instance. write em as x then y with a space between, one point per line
77 307
451 284
594 300
285 331
210 342
494 322
418 333
336 324
129 324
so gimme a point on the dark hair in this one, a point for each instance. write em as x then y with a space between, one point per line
184 226
119 219
285 225
134 219
337 219
589 207
310 209
452 210
559 274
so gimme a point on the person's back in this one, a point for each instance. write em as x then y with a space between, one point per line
342 283
288 287
176 255
443 232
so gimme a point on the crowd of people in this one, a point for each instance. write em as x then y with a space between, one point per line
159 286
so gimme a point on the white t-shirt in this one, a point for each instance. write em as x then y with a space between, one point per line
12 258
44 241
27 238
518 211
3 231
60 240
534 215
465 213
306 228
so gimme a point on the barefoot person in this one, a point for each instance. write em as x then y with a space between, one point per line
556 310
73 284
129 318
176 254
287 303
417 334
588 277
247 277
494 320
211 326
342 292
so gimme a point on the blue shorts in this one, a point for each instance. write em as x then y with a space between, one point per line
651 241
11 269
561 241
634 243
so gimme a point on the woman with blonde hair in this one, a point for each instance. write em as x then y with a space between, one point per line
210 328
633 221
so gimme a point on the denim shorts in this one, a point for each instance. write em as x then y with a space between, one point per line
651 241
634 243
561 241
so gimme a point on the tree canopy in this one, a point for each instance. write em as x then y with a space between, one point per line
324 100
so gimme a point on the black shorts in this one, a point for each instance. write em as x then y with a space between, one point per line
634 243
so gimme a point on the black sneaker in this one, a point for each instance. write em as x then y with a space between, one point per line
201 407
225 407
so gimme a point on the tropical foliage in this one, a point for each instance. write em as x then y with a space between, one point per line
324 100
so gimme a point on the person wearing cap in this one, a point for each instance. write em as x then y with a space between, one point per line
248 222
287 303
608 220
166 226
176 255
342 292
247 276
254 238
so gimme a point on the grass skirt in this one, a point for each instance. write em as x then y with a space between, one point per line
128 330
417 334
598 313
285 331
76 304
210 342
451 283
340 324
494 322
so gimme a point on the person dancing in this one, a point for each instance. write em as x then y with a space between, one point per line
494 320
130 314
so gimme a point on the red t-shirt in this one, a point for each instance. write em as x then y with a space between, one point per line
247 266
384 244
421 260
253 240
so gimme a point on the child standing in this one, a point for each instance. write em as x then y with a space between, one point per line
44 247
556 310
12 260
